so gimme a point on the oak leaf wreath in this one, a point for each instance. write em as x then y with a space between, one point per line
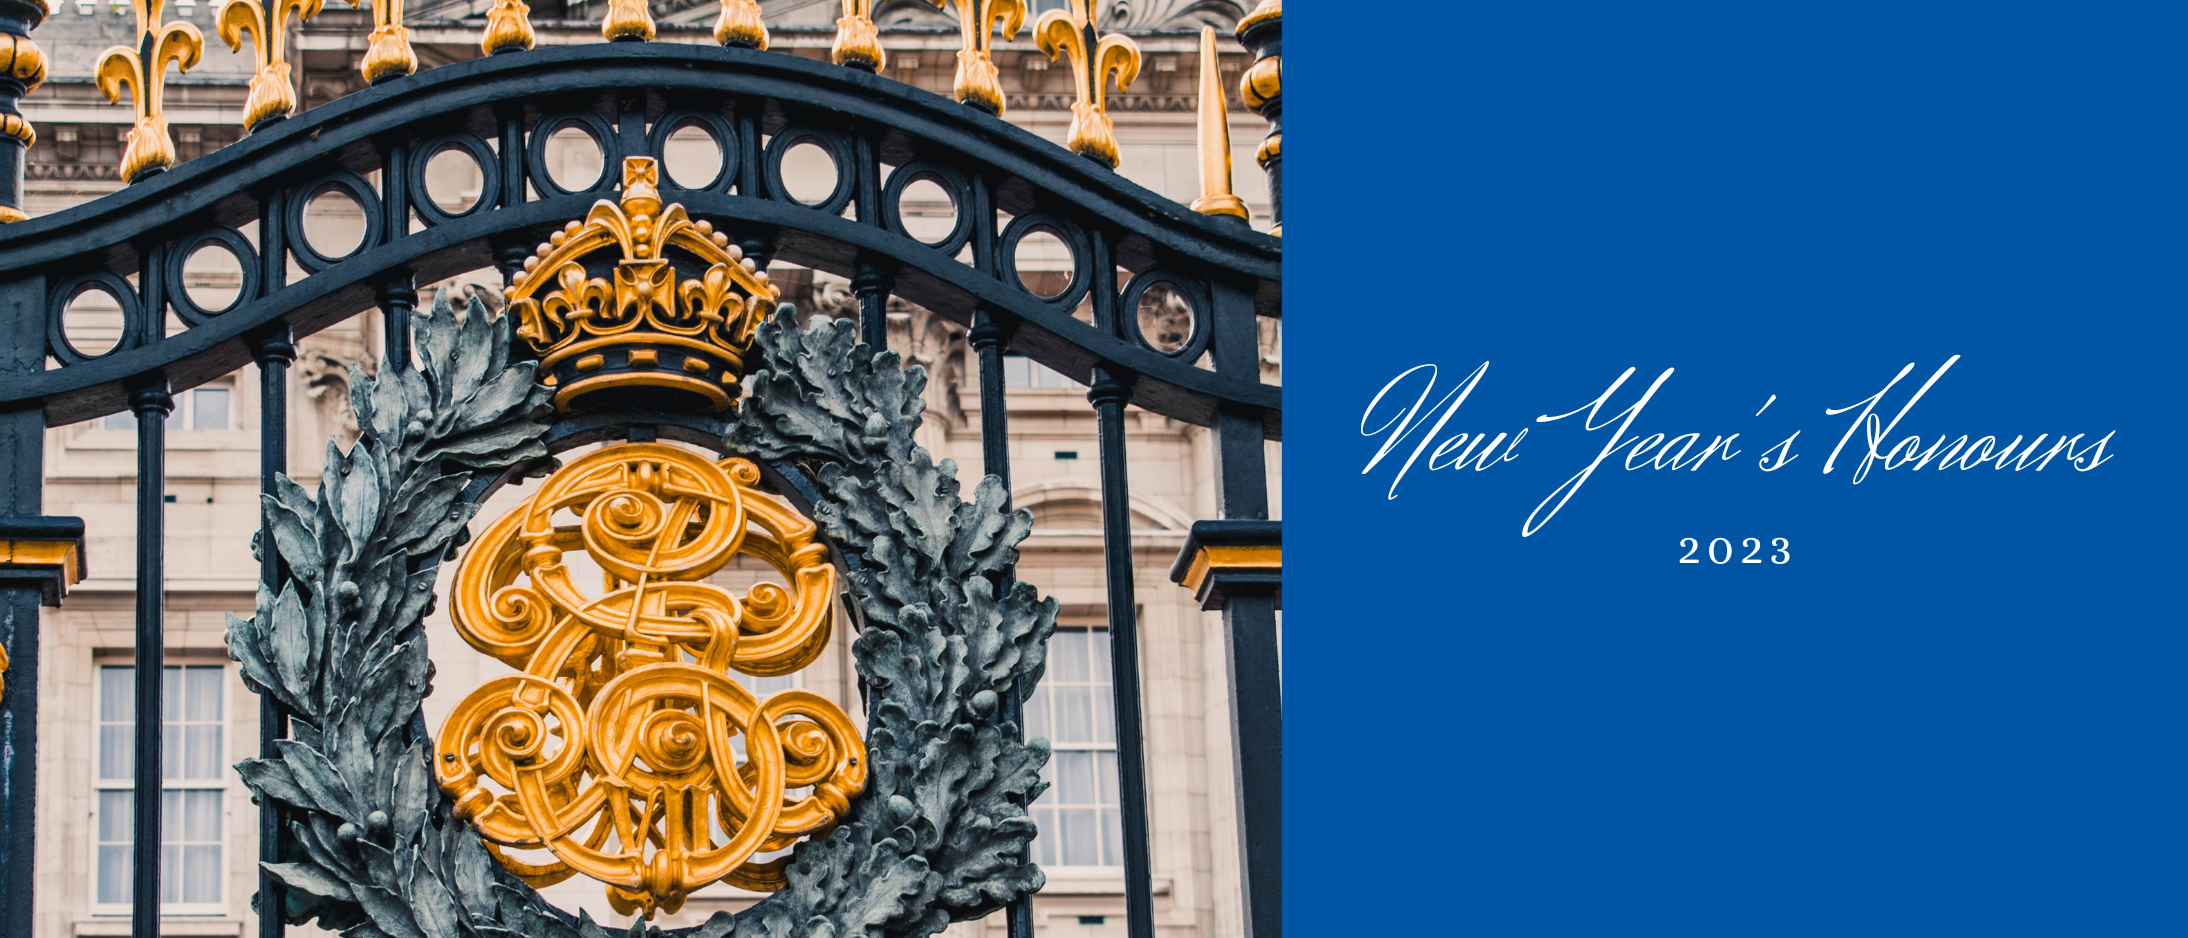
941 833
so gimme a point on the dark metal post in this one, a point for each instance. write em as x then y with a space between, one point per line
274 351
872 288
1236 565
45 557
17 19
152 403
398 296
1112 388
1262 88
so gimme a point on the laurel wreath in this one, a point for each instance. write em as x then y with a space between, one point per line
373 851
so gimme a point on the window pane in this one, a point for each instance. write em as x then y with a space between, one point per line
170 873
117 751
1017 371
1080 844
115 811
201 873
1044 842
209 409
1067 655
1112 837
201 690
201 752
1075 778
1037 724
201 816
114 873
126 420
174 419
170 816
1074 720
1097 641
117 693
171 693
1105 772
171 750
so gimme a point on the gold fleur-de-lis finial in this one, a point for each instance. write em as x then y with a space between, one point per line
271 96
144 70
978 20
1093 58
1215 138
857 43
627 21
388 55
740 25
508 28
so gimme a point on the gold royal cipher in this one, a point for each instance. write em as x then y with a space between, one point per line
624 747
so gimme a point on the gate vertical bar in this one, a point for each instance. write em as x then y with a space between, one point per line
1112 387
151 402
988 338
274 351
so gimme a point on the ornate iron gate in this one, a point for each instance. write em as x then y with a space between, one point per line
645 315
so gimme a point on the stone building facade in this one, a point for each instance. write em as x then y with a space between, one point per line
213 480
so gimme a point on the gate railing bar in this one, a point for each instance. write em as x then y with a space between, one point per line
273 351
151 403
1111 388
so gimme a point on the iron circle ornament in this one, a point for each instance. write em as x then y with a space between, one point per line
709 123
471 145
591 125
839 153
178 254
66 292
1074 241
359 191
1188 290
952 183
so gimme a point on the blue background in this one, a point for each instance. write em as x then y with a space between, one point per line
1960 708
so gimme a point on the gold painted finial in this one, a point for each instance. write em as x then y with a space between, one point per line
144 70
857 43
627 21
626 749
648 333
508 28
1215 137
978 20
22 60
1093 58
388 56
740 25
271 96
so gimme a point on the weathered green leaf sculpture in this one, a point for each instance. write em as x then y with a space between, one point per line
942 832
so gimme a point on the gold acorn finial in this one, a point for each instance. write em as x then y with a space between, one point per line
271 95
388 56
1215 138
857 43
627 21
978 20
144 70
508 28
22 60
740 25
1094 57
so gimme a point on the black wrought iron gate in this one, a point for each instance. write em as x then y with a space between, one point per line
1005 183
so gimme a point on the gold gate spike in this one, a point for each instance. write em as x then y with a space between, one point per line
388 56
857 43
144 70
271 96
1215 138
978 20
740 25
616 749
508 28
1093 57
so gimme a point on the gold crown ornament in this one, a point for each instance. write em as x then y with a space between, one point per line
665 326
